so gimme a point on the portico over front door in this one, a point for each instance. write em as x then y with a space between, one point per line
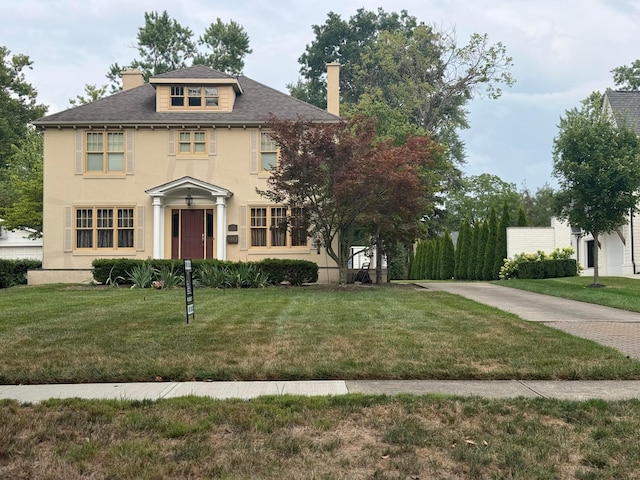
192 233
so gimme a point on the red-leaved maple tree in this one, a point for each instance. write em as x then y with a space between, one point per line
349 184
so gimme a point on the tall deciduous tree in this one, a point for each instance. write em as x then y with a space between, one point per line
597 165
18 107
414 68
345 181
627 77
25 180
227 44
18 104
477 195
91 94
164 45
539 206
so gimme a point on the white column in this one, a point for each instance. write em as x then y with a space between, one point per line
158 227
221 222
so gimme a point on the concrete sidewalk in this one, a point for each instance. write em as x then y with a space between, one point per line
609 326
564 390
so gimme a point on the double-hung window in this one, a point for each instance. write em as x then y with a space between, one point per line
105 152
277 227
191 143
109 228
268 152
194 96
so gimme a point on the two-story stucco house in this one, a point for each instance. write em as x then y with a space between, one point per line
169 169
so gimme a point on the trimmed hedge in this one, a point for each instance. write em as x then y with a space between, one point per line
296 272
547 269
14 272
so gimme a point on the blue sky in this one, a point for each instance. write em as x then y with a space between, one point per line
562 51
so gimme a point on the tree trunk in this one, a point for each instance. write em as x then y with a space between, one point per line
378 258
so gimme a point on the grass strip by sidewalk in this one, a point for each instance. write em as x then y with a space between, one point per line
618 292
355 437
70 334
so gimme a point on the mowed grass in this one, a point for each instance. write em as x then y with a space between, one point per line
354 437
617 292
71 334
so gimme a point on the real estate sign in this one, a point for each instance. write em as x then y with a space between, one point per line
188 288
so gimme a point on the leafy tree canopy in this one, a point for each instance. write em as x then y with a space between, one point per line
627 77
539 207
18 104
349 183
25 185
414 68
91 94
597 165
227 45
164 45
476 196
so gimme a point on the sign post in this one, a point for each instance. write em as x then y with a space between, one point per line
188 288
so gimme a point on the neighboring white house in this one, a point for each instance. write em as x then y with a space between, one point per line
619 251
16 244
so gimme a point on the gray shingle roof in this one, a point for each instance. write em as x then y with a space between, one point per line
137 106
626 107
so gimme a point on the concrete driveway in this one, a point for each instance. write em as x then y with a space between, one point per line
609 326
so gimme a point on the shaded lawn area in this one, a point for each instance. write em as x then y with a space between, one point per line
60 334
355 437
618 292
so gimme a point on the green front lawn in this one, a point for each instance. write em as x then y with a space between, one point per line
618 292
59 334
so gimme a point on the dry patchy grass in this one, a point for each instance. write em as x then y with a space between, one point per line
355 437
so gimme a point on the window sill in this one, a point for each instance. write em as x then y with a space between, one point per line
107 252
102 176
192 157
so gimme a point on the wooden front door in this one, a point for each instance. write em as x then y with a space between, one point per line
192 233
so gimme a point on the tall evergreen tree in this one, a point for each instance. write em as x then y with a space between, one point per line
501 241
473 248
447 257
480 253
490 247
522 218
464 241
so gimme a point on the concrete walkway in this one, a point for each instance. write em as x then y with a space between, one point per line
609 326
616 328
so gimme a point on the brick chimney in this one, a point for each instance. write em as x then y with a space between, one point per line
333 88
132 78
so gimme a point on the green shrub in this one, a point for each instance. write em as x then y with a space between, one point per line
141 275
213 275
168 276
295 272
14 272
540 265
207 273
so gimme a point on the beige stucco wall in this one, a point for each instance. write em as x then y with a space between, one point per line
226 165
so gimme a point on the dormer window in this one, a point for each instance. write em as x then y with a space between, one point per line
194 96
211 96
177 96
